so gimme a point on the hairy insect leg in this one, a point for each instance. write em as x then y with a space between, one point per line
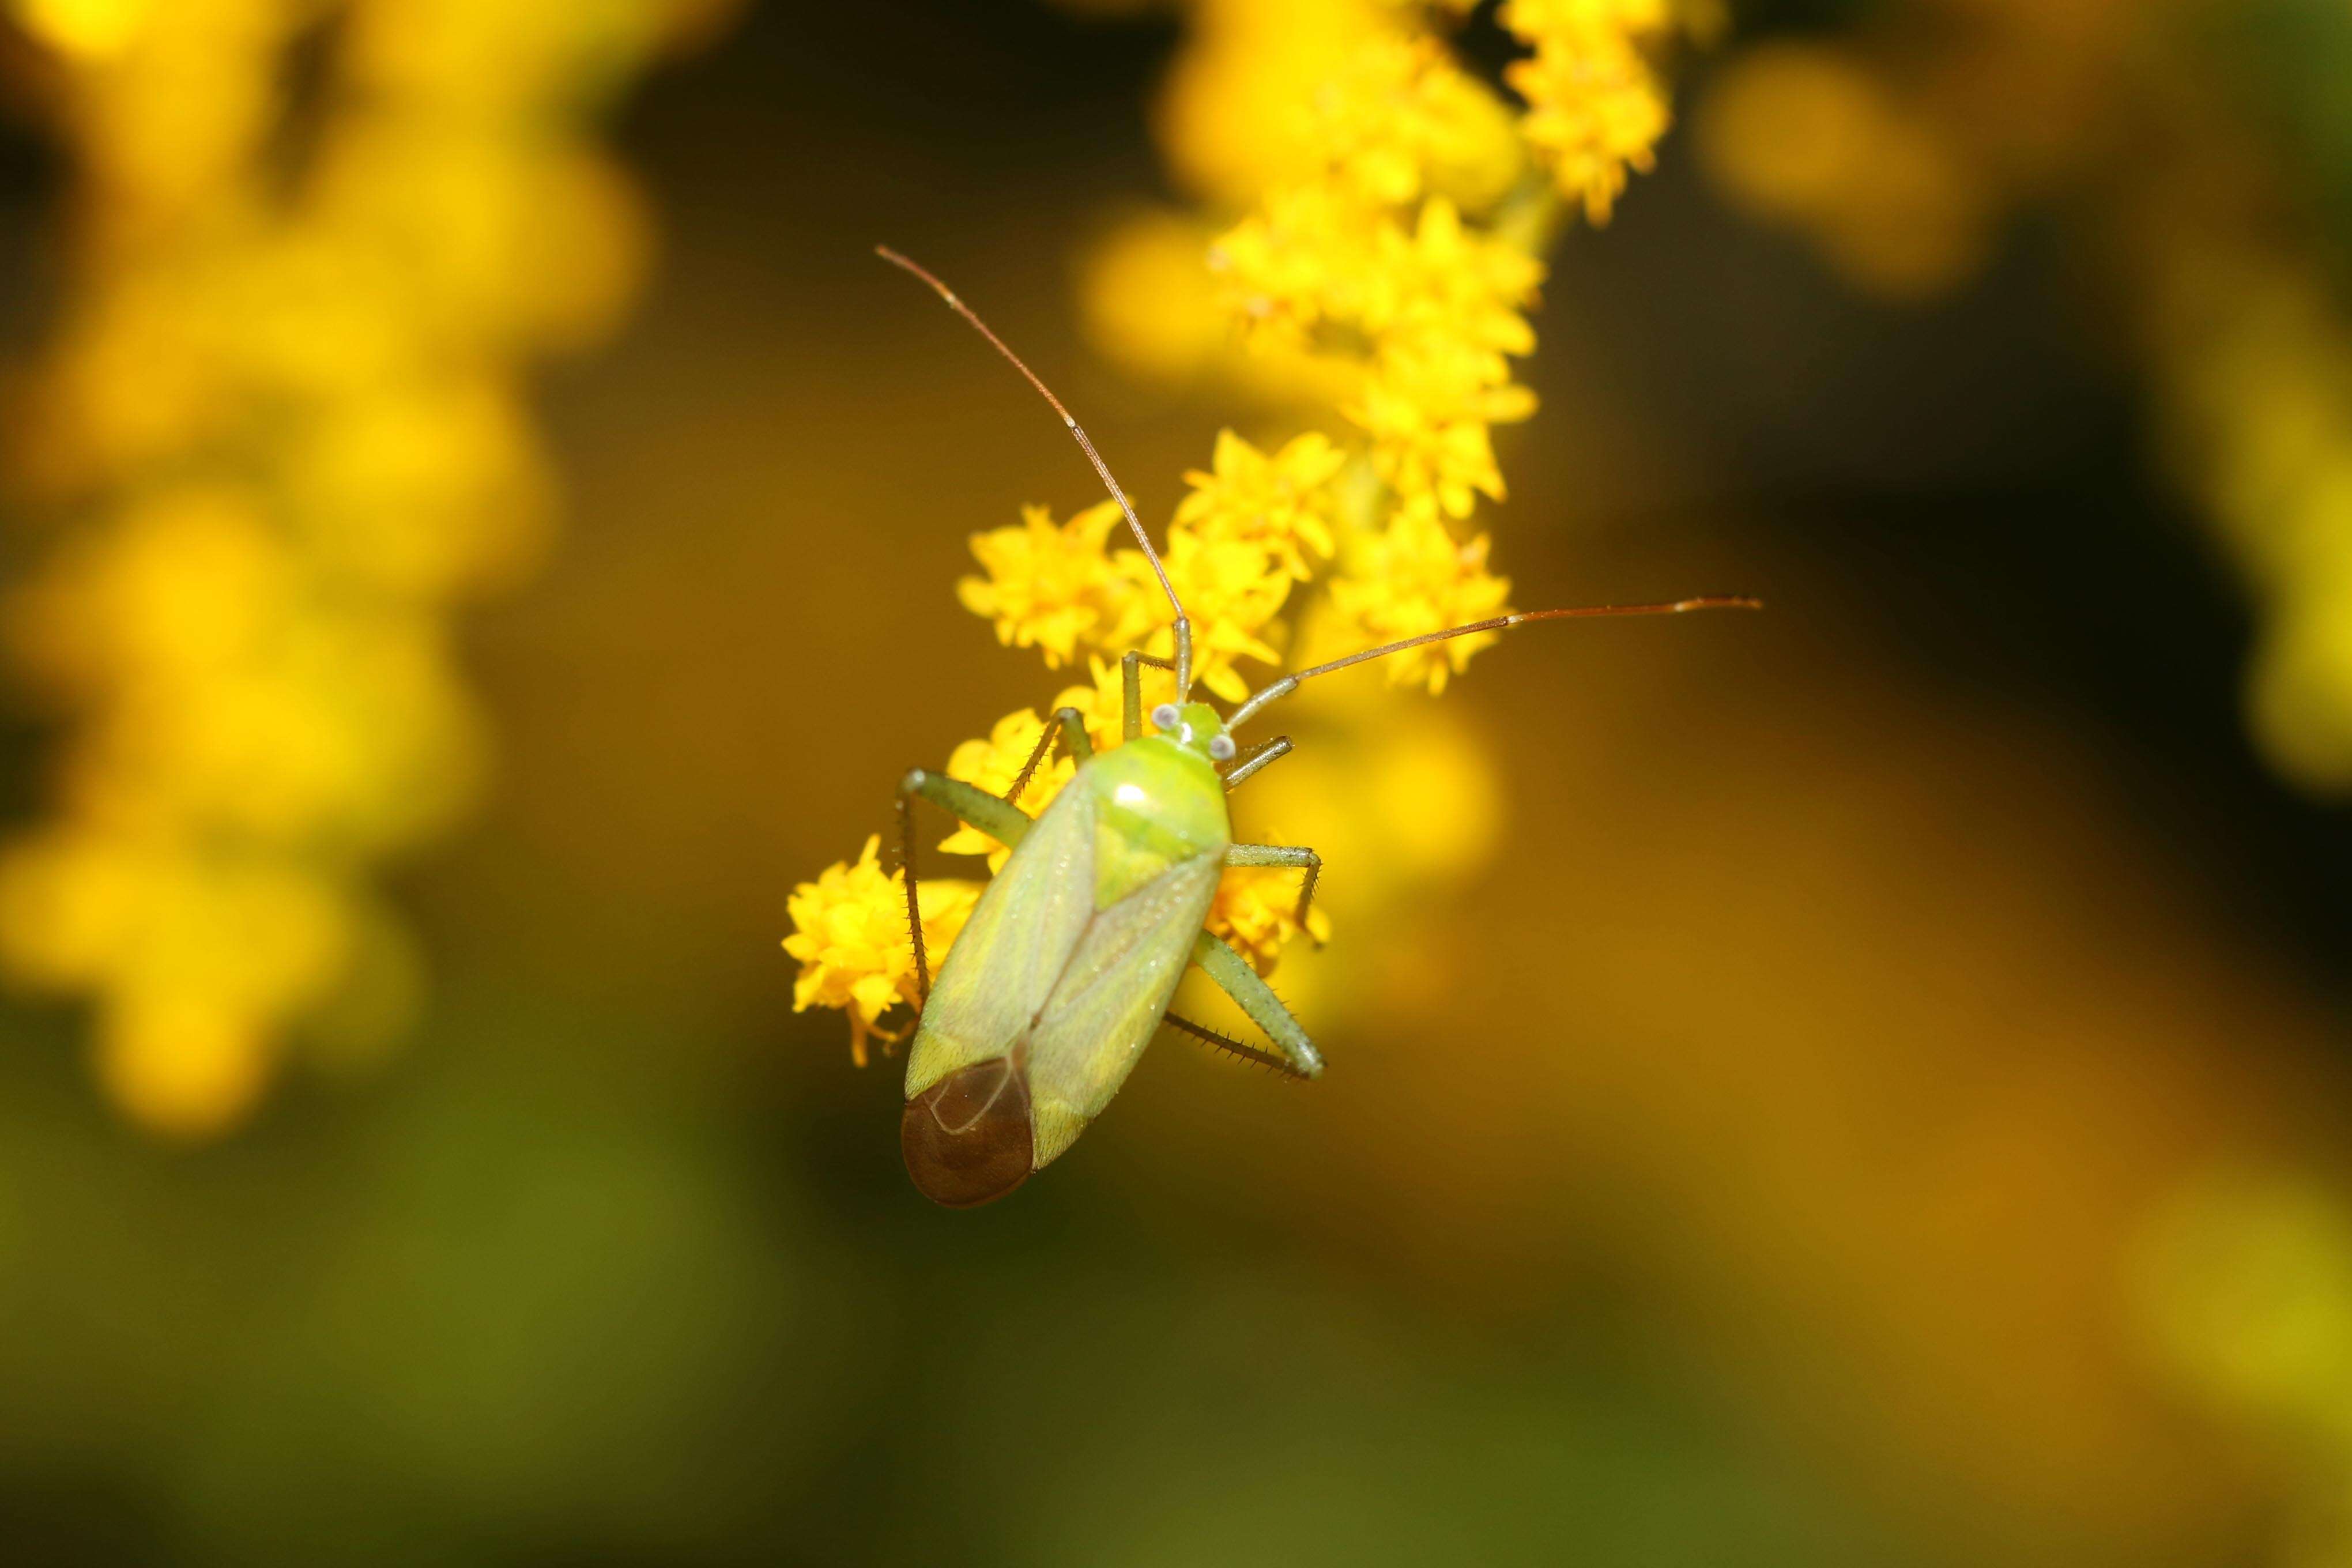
1283 855
1232 1047
1131 685
1071 725
999 819
1237 980
1260 757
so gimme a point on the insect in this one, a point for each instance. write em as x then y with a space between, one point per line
1065 968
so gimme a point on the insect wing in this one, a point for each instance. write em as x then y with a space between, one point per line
1112 994
1004 962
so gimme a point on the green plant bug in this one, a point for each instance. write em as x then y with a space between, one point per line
1065 968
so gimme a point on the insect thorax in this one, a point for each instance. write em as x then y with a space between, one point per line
1157 803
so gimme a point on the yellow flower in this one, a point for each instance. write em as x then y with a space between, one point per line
1400 115
1414 578
1535 19
1256 910
1428 411
1596 110
1812 137
285 428
1048 587
1449 279
1379 247
1281 502
1303 257
1234 590
993 765
850 935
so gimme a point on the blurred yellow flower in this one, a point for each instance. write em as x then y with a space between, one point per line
91 29
1414 578
1596 108
2246 1283
283 425
1448 281
1400 118
1804 135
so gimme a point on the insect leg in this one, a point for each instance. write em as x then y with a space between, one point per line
1232 1047
1239 981
1283 855
1073 727
1131 680
999 819
914 898
1264 756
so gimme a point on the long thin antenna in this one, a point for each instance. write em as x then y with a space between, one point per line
1289 683
1183 622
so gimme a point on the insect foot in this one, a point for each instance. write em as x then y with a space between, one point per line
967 1138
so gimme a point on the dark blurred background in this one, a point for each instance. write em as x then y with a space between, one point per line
1876 1098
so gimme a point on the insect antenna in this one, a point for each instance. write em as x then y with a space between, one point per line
1290 683
1135 523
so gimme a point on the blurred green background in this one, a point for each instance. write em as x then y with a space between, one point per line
1882 1101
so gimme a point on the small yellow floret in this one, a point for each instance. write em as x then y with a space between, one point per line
1429 411
993 765
1414 578
1596 110
1234 590
1256 910
849 933
1282 502
1400 117
1445 278
1535 19
1049 586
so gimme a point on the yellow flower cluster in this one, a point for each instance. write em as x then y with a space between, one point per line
1809 136
2245 1290
283 432
1388 213
850 935
2256 357
1241 540
1595 105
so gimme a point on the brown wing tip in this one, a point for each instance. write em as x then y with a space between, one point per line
968 1138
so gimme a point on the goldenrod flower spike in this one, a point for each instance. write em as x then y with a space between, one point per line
1395 240
285 426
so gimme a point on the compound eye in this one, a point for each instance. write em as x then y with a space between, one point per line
1165 716
1221 749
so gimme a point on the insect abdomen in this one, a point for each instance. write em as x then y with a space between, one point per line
967 1138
